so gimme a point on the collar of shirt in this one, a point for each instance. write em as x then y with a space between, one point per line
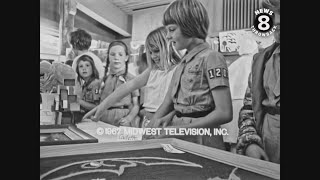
119 74
196 50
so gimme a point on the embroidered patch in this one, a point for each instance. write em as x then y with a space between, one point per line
218 72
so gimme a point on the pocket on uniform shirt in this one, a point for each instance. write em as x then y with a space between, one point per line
89 96
192 76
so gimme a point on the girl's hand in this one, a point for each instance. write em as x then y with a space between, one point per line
99 112
89 114
95 119
257 152
162 122
125 121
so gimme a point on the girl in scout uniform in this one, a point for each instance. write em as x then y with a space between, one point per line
124 111
88 79
162 60
199 91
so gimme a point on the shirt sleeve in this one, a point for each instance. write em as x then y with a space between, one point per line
216 70
247 124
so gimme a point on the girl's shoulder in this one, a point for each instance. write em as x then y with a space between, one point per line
211 56
209 52
94 83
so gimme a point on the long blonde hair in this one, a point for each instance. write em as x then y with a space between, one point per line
156 39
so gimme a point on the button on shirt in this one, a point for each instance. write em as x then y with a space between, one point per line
200 71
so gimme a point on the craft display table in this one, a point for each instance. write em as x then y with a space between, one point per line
148 160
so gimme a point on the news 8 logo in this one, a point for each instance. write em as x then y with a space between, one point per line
263 22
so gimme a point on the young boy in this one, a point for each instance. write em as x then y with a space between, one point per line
199 91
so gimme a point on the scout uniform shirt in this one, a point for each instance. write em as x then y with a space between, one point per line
90 92
122 107
200 71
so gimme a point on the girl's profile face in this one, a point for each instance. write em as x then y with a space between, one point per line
85 69
155 55
175 36
118 56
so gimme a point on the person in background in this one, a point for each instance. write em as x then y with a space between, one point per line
259 118
88 78
199 92
80 41
125 111
162 62
239 72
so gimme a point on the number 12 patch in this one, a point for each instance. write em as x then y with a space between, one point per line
218 72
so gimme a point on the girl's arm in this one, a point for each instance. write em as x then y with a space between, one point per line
220 115
86 105
90 113
122 91
162 122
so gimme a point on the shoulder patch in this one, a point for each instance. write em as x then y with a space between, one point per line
218 72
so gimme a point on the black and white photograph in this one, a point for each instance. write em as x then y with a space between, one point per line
160 89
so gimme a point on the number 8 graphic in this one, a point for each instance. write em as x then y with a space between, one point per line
267 19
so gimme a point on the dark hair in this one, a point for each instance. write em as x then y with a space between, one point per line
80 39
190 15
126 49
95 73
69 62
156 39
273 5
